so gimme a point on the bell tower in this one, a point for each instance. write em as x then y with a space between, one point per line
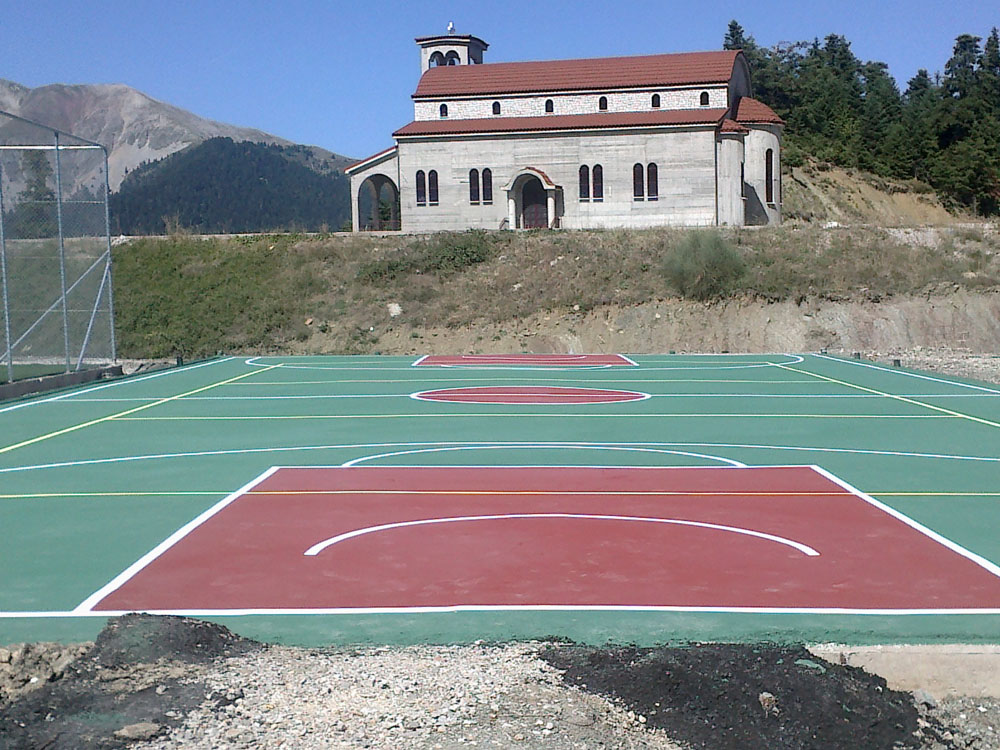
450 49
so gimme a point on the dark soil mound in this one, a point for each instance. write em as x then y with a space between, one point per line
729 697
132 684
145 639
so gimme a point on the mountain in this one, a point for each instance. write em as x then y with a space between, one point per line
134 127
221 186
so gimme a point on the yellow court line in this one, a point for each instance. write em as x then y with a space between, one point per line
133 410
904 399
558 415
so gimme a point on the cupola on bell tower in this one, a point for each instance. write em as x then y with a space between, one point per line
450 49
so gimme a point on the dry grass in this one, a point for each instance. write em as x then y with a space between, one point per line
195 297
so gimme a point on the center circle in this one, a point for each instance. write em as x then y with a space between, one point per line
528 394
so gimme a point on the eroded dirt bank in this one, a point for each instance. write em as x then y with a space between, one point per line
950 319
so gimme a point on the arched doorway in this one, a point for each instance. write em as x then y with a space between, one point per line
378 204
534 205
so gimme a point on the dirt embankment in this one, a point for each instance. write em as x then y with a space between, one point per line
955 320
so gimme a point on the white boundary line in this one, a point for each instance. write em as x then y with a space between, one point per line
87 604
907 374
532 390
85 608
476 361
472 444
730 463
805 549
122 381
953 546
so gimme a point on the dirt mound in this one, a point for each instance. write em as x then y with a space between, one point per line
144 639
141 676
722 696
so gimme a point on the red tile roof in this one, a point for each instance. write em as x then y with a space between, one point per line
373 157
594 120
751 110
731 126
578 75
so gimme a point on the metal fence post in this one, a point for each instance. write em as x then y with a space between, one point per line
62 252
107 233
6 304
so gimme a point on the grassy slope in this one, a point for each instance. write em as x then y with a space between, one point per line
195 297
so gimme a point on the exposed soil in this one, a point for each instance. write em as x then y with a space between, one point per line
140 677
719 696
164 683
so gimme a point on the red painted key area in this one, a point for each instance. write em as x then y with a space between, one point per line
250 554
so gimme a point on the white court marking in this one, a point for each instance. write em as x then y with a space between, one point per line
542 446
123 381
907 374
326 543
472 444
794 359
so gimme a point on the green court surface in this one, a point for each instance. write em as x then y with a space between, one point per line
93 479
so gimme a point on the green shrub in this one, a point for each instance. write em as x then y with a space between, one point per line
444 254
703 266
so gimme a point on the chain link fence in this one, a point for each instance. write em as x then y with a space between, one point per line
55 251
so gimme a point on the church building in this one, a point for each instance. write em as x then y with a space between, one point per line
643 141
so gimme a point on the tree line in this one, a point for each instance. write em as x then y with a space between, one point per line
221 186
942 130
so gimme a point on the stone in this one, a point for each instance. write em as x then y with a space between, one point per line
923 698
143 730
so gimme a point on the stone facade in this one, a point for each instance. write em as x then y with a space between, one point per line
702 153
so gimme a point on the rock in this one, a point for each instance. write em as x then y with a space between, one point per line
810 664
143 730
923 698
769 703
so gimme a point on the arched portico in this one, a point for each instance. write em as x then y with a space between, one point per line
378 204
532 200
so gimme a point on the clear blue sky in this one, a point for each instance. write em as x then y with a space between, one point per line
339 74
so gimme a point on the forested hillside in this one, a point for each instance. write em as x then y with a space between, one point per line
221 186
942 130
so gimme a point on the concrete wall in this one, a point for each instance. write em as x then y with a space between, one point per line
730 160
387 166
569 104
685 160
739 84
760 139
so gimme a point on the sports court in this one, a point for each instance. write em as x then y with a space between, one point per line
641 498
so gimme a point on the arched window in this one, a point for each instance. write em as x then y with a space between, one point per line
432 187
549 106
704 98
487 187
452 58
602 103
496 108
584 183
656 101
652 184
769 176
598 191
637 187
436 59
421 188
474 186
444 110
